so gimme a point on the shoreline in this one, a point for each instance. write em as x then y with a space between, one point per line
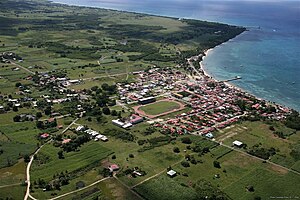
205 52
230 85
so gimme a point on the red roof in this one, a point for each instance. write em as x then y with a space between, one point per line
114 167
44 135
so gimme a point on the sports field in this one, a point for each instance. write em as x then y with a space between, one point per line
159 108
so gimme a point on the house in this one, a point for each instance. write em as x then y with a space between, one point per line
80 128
44 135
121 124
237 143
65 141
135 119
209 135
171 173
2 109
51 120
113 167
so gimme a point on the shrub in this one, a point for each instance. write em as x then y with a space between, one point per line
176 150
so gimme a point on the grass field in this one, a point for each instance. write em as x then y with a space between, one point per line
241 171
89 153
16 141
253 133
159 107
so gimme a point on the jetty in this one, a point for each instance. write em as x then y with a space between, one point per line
232 79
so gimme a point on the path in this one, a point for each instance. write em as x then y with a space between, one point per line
24 68
129 188
69 126
11 185
63 195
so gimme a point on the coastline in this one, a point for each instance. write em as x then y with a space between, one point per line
230 85
206 52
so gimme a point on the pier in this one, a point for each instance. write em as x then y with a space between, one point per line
232 79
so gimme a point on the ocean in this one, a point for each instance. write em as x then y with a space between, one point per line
267 57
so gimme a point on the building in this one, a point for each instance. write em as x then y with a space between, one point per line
135 119
44 135
121 124
237 143
80 128
113 167
171 173
147 100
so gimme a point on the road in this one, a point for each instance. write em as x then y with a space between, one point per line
28 171
31 160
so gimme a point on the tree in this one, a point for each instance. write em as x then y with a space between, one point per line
176 150
94 88
18 84
48 110
38 115
26 158
60 154
185 164
40 124
17 118
15 109
131 155
250 188
114 113
186 140
217 164
106 110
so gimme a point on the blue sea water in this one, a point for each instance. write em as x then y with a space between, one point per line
267 58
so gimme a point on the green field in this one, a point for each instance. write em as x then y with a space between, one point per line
159 107
258 133
241 171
